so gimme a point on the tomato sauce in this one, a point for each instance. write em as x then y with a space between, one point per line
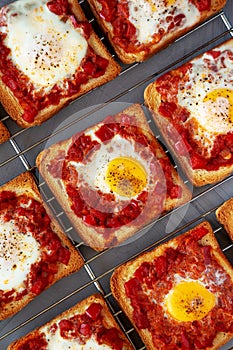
167 86
83 145
153 280
79 328
31 101
29 215
125 33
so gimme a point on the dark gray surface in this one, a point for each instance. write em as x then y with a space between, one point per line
20 152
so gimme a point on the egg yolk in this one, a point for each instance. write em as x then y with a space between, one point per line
225 93
189 301
126 176
152 5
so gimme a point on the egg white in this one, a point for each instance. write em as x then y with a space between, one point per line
93 171
55 341
211 117
149 16
18 251
46 49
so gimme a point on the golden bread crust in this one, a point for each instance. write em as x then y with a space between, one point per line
12 105
150 49
24 184
224 215
89 234
80 308
4 133
198 177
126 271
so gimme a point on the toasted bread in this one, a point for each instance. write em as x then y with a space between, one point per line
101 235
25 225
137 39
4 133
96 329
193 113
224 215
144 285
54 66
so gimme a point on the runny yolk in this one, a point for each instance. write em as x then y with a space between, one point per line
189 301
126 177
225 93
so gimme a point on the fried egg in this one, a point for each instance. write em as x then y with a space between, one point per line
45 48
149 16
18 251
208 96
118 167
189 301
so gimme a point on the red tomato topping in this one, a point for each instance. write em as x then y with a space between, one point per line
182 135
153 280
30 215
94 310
100 215
79 328
92 66
202 5
37 343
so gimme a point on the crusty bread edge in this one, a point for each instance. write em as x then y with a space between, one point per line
4 133
108 320
125 271
11 103
224 215
25 184
198 177
151 49
87 233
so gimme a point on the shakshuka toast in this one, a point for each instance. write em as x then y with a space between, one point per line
112 179
179 295
224 215
35 253
50 55
4 133
87 325
193 107
138 29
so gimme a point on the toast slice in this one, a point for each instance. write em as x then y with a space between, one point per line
139 29
50 56
35 253
87 325
224 215
176 294
192 107
4 133
112 179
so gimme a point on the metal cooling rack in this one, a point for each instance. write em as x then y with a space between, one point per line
19 154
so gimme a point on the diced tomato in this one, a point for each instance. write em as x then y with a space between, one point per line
143 271
160 265
105 132
89 220
197 162
132 287
202 5
37 343
110 337
108 9
199 232
167 109
85 329
65 327
59 7
94 311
